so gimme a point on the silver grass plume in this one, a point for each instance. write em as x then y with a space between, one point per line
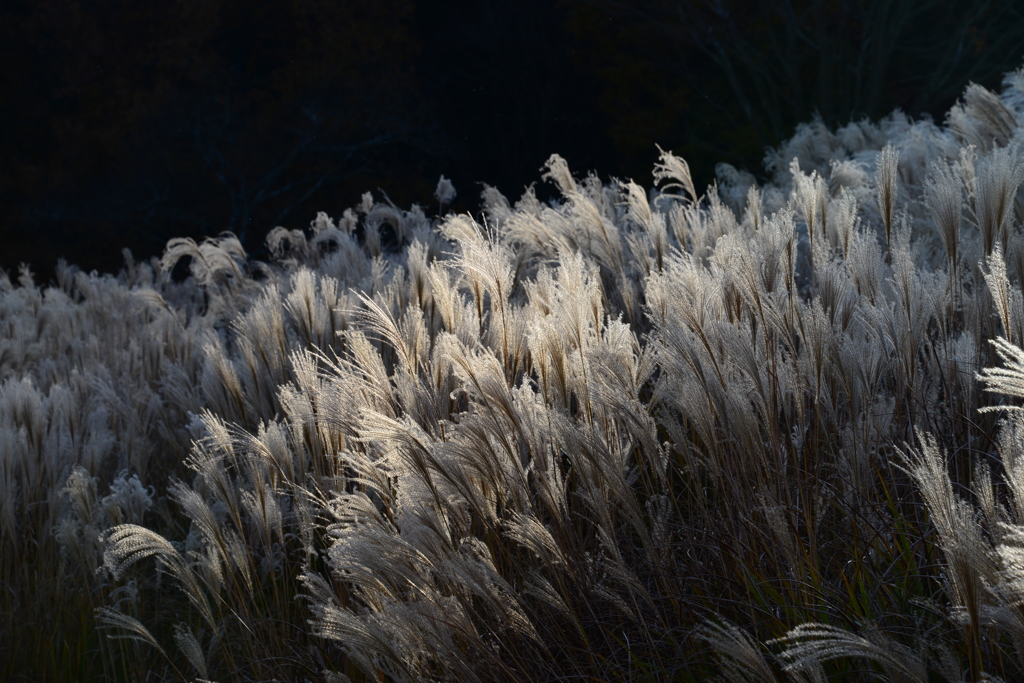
128 626
1005 379
190 647
998 178
969 555
671 167
886 166
808 646
739 657
128 544
981 119
944 197
999 287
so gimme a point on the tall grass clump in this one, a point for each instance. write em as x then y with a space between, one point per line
768 432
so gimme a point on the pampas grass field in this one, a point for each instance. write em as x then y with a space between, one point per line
763 432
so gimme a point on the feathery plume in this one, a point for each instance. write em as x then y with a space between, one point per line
671 167
886 166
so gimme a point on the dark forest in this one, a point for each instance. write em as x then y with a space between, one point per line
126 124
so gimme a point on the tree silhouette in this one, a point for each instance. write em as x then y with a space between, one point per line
748 73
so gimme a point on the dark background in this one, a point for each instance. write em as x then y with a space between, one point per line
123 124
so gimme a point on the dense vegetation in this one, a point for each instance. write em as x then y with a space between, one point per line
766 432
